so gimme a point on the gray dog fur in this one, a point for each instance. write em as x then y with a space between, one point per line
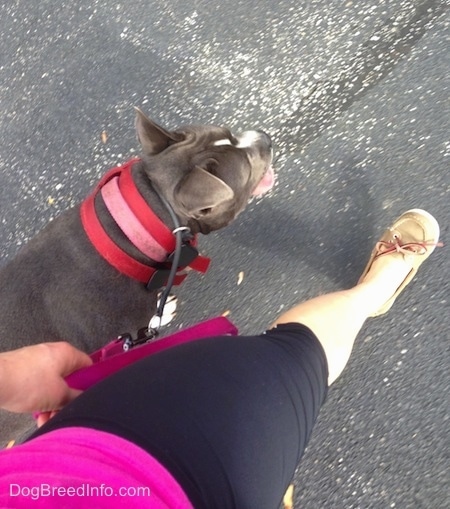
59 288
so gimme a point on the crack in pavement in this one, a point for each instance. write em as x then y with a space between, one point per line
327 99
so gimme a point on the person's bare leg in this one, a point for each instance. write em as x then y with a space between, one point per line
336 318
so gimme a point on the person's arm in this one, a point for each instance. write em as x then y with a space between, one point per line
32 378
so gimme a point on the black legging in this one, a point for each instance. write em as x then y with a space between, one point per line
229 417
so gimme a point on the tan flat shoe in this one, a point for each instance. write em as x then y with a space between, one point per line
415 234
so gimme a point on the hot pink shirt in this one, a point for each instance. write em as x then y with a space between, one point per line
83 468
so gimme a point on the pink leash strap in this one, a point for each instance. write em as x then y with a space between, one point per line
111 358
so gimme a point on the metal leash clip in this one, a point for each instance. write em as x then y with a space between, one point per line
144 335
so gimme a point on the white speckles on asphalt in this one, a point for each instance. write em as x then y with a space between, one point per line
355 94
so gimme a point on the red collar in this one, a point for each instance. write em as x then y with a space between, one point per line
139 223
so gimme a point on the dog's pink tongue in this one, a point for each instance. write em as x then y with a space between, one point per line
266 183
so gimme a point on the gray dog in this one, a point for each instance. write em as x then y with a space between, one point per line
84 278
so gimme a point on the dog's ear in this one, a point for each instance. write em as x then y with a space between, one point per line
152 137
200 192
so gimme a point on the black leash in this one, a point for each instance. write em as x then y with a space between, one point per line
182 237
184 253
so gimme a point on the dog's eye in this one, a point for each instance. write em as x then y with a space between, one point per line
211 166
228 141
205 212
229 136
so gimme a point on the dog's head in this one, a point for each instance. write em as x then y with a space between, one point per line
206 173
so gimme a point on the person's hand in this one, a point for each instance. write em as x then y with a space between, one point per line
32 378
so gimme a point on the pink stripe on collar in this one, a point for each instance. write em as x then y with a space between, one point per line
129 223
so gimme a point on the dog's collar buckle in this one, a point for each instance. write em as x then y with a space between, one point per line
188 254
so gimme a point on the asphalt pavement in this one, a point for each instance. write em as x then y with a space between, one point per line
356 97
